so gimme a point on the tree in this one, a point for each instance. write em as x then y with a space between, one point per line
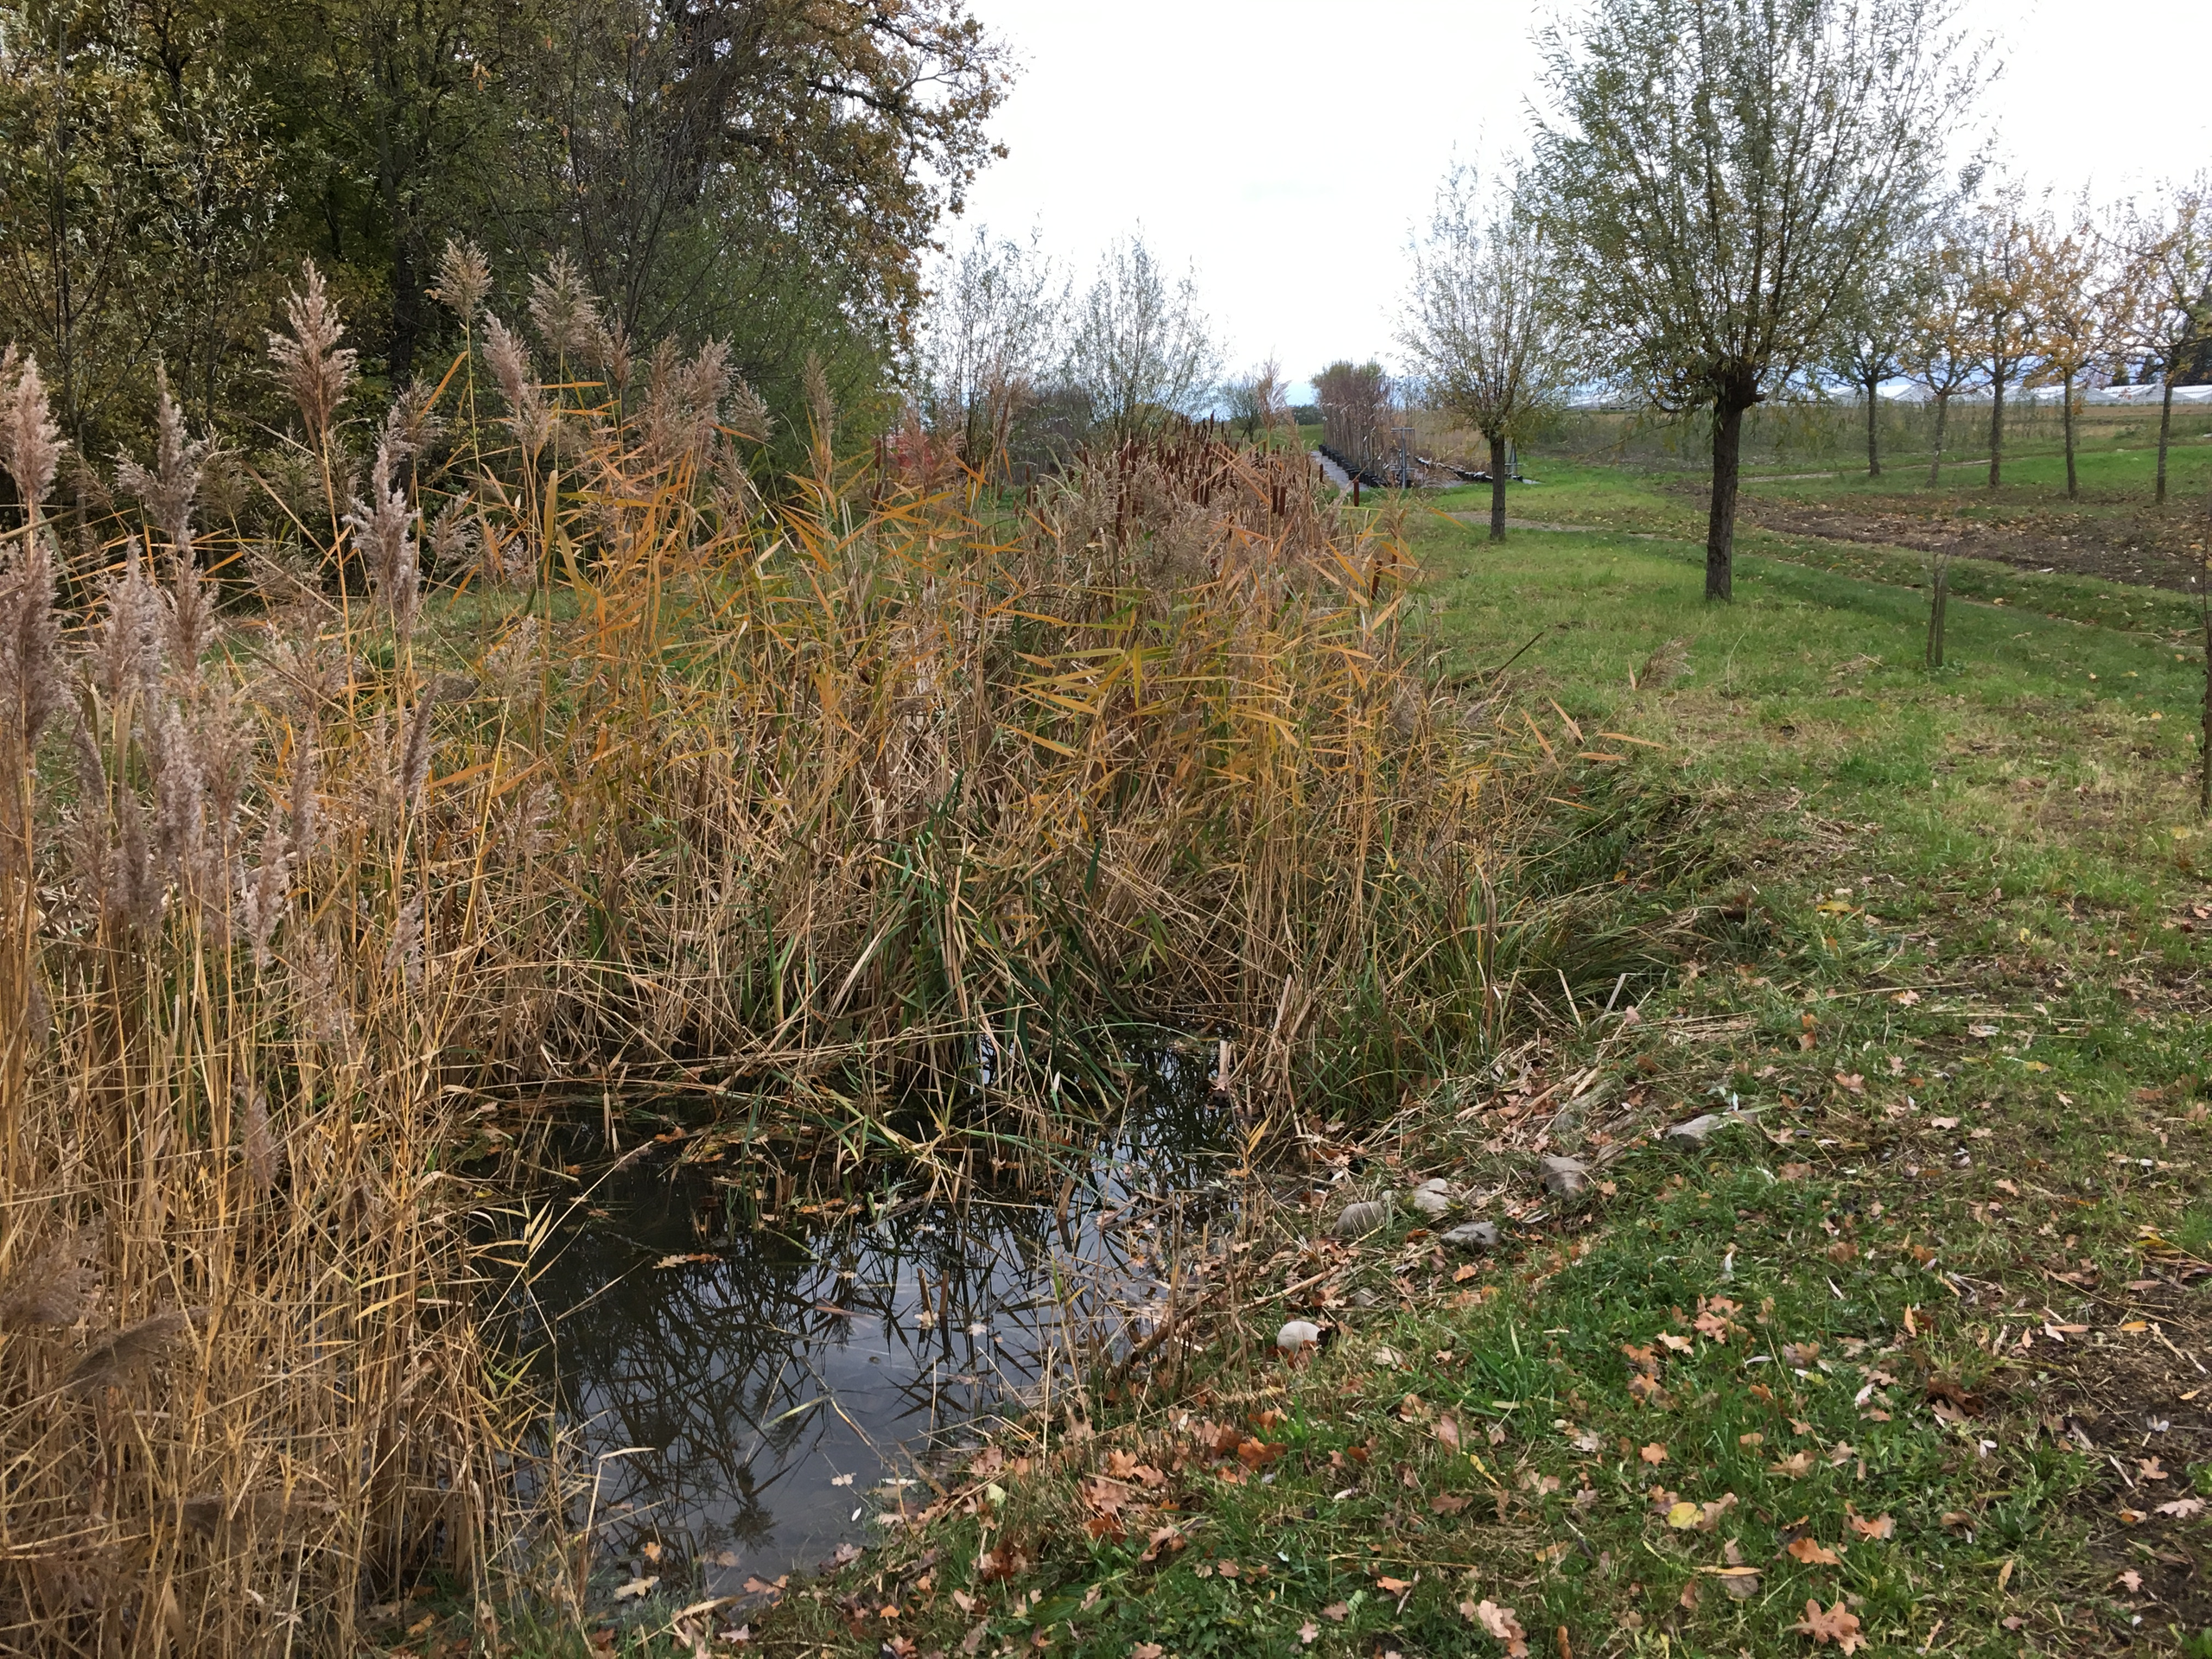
1868 348
1723 174
1488 322
2001 298
1256 401
1938 353
2072 311
1355 402
987 338
1138 346
2170 251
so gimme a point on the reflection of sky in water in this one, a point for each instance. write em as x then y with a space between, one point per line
736 1388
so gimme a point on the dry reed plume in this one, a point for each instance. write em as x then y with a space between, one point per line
883 813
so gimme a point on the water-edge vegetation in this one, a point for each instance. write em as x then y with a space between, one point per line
868 818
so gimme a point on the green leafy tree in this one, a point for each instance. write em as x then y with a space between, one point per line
1722 176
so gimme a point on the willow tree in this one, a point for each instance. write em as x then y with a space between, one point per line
1487 323
1722 175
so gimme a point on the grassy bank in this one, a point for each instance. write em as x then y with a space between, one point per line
1914 1338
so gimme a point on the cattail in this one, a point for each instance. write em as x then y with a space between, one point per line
167 493
562 308
315 368
529 417
112 1362
386 529
56 1286
464 280
30 443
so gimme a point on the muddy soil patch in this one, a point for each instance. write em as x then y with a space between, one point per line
2125 549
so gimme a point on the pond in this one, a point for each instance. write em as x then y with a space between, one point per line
749 1394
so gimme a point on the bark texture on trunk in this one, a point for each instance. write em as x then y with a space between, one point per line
1996 432
1720 526
2066 420
1935 461
1497 489
2165 431
1873 429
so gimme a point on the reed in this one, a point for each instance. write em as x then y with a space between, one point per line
875 816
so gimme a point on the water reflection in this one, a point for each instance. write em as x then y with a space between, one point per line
751 1396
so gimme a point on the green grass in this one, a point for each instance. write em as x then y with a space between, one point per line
1938 931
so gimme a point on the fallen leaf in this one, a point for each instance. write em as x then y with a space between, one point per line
1396 1586
1796 1171
2151 1468
846 1555
1682 1516
2132 1579
1838 1624
635 1588
1654 1454
1680 1344
1447 1503
1856 1082
2183 1508
1308 1633
1810 1553
964 1601
1501 1622
1447 1430
1796 1465
1742 1582
1143 1650
1336 1611
841 1480
1687 1600
1881 1526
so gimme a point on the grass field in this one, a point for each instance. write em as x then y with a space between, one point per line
1916 1339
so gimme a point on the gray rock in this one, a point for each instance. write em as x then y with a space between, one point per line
1434 1197
1474 1236
1360 1219
1296 1334
1565 1178
1693 1135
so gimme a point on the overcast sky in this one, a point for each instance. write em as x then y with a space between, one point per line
1286 147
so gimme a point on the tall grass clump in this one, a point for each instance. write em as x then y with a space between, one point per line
552 750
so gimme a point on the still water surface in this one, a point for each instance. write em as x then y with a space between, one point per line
752 1397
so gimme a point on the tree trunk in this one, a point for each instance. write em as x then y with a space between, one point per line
2204 761
2066 421
1720 526
1935 461
1996 430
2165 431
1497 489
1873 429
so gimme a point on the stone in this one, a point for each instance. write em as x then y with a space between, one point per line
1475 1235
1434 1197
1565 1178
1297 1335
1360 1219
1693 1135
